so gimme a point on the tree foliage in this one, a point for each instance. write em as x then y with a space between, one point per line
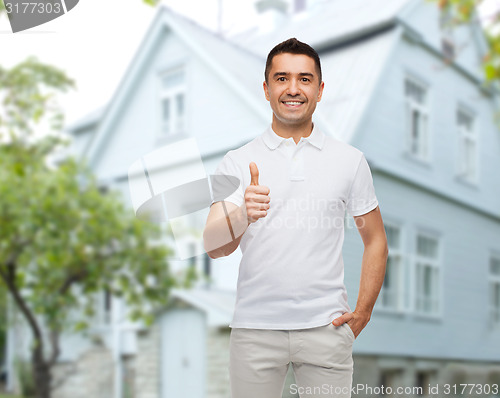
466 12
59 231
62 240
27 92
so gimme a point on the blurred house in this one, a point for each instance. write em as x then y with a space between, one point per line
401 86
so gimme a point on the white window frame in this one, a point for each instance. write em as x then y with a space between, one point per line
435 265
467 170
396 253
422 143
176 127
493 280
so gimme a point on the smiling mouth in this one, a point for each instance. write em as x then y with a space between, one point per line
292 103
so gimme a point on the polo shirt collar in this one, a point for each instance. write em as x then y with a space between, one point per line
273 140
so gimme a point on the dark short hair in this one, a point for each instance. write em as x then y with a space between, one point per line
293 46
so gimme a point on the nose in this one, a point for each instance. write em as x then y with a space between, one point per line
293 87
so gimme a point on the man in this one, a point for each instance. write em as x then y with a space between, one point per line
288 214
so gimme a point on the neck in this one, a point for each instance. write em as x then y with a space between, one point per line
295 131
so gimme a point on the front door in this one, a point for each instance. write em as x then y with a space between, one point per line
183 353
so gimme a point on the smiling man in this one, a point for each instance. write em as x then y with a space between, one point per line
287 215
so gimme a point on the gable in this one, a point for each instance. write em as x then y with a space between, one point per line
216 115
469 41
236 68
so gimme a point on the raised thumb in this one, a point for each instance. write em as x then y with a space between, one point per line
254 174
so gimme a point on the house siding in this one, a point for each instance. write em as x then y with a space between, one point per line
382 133
466 238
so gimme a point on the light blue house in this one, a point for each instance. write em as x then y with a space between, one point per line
400 86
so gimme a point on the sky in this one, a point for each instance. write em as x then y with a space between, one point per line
96 41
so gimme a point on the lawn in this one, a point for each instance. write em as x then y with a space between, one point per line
9 396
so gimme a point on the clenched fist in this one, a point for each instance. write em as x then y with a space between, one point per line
256 196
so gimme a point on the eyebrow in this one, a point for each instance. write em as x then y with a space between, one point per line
288 73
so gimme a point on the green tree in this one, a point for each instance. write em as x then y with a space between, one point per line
61 239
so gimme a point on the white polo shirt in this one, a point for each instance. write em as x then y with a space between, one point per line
291 275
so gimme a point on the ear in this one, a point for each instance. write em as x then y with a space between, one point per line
320 93
266 90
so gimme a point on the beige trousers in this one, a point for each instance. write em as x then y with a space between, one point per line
321 360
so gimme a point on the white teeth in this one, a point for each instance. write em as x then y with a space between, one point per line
293 103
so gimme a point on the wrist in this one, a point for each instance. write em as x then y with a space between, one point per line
363 312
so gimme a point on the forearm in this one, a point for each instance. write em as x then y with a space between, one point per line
372 276
222 236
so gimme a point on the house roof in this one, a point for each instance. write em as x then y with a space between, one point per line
334 22
217 304
244 66
350 84
87 121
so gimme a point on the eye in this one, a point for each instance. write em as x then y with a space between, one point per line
281 79
305 79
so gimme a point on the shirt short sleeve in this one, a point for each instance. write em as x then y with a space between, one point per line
227 167
362 198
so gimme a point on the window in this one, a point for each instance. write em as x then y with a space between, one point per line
447 40
495 290
427 275
467 157
173 103
448 48
492 386
424 379
416 119
390 294
457 381
390 380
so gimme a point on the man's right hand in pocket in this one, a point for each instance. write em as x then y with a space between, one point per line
256 196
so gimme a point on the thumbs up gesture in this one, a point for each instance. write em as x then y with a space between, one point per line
256 196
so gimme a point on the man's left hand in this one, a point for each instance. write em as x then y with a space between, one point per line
355 320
